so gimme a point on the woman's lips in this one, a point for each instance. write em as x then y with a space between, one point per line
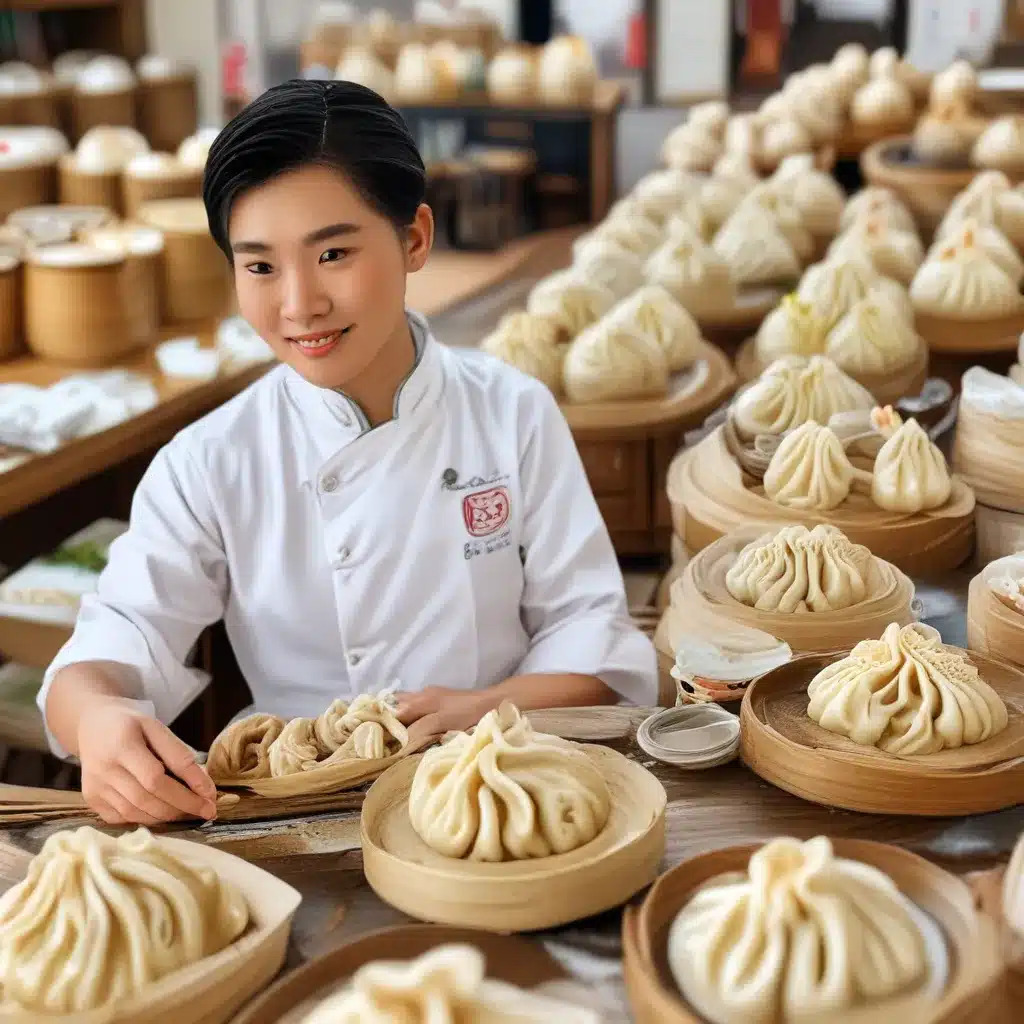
314 346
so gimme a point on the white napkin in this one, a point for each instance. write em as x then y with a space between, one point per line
239 345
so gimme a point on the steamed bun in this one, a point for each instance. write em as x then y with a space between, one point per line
695 274
569 300
529 343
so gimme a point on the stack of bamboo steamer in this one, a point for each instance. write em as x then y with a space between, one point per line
10 301
28 166
168 101
995 620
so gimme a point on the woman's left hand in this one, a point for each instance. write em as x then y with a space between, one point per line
442 709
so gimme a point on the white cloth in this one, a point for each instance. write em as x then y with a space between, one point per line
345 559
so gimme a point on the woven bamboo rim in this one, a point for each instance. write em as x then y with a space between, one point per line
782 745
78 189
516 896
988 453
11 343
701 605
511 959
729 327
218 985
168 110
888 388
927 192
90 110
710 496
997 533
27 186
971 337
332 778
700 390
971 938
993 628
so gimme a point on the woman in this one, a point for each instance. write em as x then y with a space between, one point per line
376 511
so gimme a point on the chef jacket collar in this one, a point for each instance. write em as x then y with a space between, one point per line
421 387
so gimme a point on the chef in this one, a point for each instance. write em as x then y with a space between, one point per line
378 511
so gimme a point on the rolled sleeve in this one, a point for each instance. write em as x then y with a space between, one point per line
165 581
574 600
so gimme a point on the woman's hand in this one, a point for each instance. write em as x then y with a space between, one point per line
126 759
441 709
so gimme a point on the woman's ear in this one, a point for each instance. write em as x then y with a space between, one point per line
419 239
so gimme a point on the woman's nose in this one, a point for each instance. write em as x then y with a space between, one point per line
304 300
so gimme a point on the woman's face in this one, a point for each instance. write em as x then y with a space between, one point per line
320 274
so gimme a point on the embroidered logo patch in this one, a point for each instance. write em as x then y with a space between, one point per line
486 512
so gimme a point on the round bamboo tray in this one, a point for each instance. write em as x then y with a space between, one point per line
516 896
970 337
971 992
997 533
92 109
10 303
168 109
927 191
511 959
710 496
31 109
692 395
782 745
219 985
855 138
701 605
51 222
79 313
187 183
27 186
80 189
730 327
993 628
888 388
197 282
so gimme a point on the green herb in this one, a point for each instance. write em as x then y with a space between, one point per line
88 555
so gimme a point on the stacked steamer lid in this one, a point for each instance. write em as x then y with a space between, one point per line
28 96
103 93
167 101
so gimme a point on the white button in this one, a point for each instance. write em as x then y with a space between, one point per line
343 553
354 658
329 483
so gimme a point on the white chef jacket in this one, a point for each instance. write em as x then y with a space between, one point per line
455 545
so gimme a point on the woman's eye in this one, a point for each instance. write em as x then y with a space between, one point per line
259 268
333 255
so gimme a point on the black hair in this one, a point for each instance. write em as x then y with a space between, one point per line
335 124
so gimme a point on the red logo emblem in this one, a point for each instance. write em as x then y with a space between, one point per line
486 512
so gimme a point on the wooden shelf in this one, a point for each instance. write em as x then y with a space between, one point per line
58 5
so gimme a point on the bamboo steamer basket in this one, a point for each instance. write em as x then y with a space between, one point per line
997 533
180 183
516 896
970 337
511 959
28 166
31 108
782 745
10 302
731 326
197 282
710 496
168 109
78 306
971 994
50 223
217 986
855 138
78 188
335 778
27 186
700 604
993 627
888 388
92 109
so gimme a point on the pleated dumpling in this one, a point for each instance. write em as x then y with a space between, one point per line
659 194
446 985
654 312
795 390
792 328
756 249
711 116
991 199
606 262
1001 145
784 137
691 148
570 301
367 728
242 750
803 935
628 228
615 359
834 286
963 282
985 236
810 470
98 919
910 473
505 792
873 338
906 694
957 84
801 570
529 342
817 196
882 103
893 253
694 273
944 135
877 201
296 749
770 198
